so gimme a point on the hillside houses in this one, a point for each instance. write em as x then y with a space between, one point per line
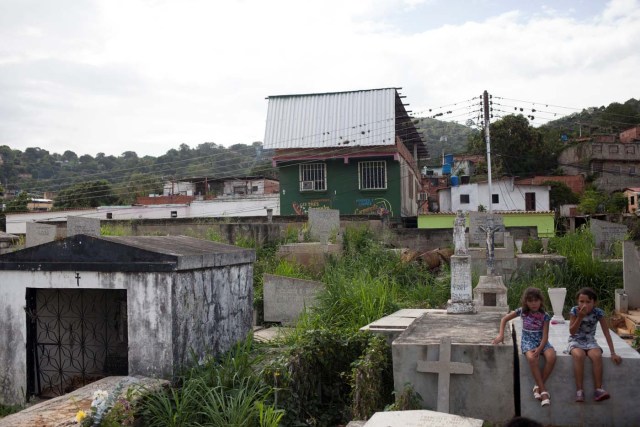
355 151
613 159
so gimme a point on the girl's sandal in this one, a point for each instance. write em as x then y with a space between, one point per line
536 394
545 400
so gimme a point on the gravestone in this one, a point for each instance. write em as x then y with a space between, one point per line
630 273
82 225
490 295
606 234
477 228
461 301
38 234
324 224
438 347
420 418
285 298
444 367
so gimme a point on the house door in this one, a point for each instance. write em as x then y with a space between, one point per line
74 337
530 201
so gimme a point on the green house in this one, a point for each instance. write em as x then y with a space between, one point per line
356 152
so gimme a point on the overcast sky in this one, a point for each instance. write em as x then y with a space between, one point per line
148 75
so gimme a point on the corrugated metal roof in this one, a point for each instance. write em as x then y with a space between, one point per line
337 119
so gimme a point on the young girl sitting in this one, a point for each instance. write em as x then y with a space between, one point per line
583 321
535 339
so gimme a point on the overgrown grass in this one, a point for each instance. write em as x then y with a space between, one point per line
9 409
229 391
581 270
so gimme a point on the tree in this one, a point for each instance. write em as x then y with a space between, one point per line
517 148
560 194
18 203
85 195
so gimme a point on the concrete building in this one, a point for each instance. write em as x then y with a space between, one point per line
79 309
615 164
632 195
219 207
506 196
353 151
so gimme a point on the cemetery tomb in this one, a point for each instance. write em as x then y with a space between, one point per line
85 307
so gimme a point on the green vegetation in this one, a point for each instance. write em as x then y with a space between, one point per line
581 270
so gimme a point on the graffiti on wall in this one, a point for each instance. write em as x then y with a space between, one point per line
373 207
302 208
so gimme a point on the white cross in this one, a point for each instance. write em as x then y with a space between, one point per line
444 368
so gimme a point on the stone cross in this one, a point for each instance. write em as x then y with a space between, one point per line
444 368
490 228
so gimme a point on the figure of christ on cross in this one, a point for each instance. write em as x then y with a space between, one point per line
490 229
444 368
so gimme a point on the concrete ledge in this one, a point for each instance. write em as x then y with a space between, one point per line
393 325
621 381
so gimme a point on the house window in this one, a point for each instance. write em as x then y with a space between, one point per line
240 190
464 199
313 177
530 201
495 199
373 175
254 189
632 200
613 149
630 149
597 148
632 170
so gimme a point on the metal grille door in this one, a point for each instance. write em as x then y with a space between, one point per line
75 337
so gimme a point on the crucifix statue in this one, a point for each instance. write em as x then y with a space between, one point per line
490 228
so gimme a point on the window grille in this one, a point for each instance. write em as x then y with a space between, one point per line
495 199
373 175
464 198
313 177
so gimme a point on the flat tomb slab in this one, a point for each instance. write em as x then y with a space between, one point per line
420 418
62 410
391 326
621 381
449 360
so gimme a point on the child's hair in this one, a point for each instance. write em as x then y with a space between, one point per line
531 294
587 292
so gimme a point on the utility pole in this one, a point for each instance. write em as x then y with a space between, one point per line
490 226
485 105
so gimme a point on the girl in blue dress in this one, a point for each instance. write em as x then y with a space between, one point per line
535 339
584 319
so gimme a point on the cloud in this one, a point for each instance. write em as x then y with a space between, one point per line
113 75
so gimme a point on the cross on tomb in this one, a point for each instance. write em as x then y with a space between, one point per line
444 368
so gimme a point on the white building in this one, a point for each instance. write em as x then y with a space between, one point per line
506 196
220 207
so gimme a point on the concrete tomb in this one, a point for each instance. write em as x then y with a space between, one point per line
420 418
38 234
286 298
99 306
393 325
450 362
621 381
631 274
82 225
324 224
606 235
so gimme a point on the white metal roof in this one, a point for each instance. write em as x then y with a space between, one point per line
339 119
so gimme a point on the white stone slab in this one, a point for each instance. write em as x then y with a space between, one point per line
392 322
38 234
420 418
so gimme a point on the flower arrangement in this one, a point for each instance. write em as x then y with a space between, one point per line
107 410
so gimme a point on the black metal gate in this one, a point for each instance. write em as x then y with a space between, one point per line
74 337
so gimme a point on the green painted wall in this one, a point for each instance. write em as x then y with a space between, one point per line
544 221
342 190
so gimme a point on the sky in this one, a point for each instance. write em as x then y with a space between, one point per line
110 76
